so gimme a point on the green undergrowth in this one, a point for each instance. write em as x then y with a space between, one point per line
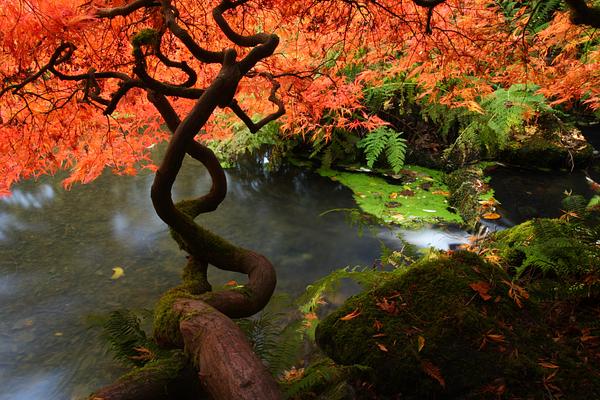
454 326
549 246
414 197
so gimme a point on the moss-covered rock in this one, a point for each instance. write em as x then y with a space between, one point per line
550 143
451 328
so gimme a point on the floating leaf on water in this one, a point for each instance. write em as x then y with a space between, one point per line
491 215
231 283
58 333
117 273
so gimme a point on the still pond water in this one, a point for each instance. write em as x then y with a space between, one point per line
57 251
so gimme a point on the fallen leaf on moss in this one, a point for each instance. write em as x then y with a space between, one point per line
441 192
516 292
382 347
388 306
421 343
482 288
433 371
547 364
377 325
393 195
350 316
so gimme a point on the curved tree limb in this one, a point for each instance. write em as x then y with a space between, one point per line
582 14
228 368
207 56
255 127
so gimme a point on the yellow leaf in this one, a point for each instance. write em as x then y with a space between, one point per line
350 316
117 273
393 196
421 343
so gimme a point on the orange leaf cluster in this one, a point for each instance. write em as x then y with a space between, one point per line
329 51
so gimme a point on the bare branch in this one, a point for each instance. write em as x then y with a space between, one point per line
126 9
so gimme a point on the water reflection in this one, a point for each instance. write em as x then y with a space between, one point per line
26 200
524 194
57 251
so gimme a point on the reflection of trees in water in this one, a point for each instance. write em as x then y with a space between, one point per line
60 263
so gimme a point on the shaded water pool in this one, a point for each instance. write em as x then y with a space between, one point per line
525 194
57 251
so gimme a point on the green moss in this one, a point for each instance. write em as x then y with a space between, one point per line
165 369
166 320
419 196
468 186
146 36
550 143
473 342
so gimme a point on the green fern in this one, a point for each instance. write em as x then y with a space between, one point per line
380 139
125 336
550 246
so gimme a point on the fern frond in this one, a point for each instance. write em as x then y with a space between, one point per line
374 144
384 139
395 151
126 337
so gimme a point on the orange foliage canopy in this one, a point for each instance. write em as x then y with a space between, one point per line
50 122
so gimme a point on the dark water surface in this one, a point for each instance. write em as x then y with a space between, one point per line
58 248
525 194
